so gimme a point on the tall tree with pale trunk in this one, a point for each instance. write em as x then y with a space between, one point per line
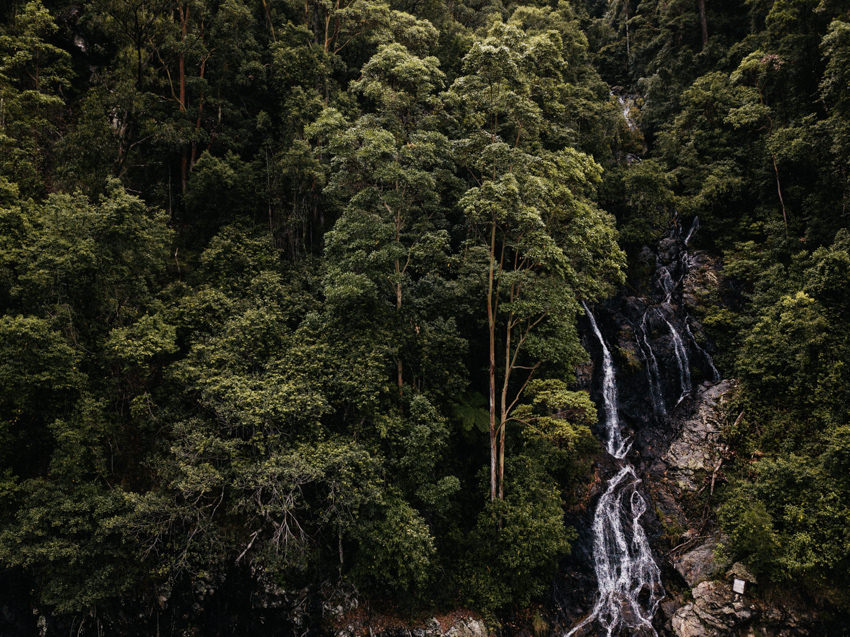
541 243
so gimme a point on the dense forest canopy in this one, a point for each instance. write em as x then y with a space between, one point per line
289 291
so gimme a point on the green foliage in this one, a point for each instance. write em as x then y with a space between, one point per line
137 345
470 410
517 542
34 74
220 189
556 414
751 529
791 522
40 379
396 554
641 195
782 352
270 271
69 540
786 514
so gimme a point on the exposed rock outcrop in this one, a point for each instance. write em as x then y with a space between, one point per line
683 478
703 278
467 628
699 564
695 453
716 611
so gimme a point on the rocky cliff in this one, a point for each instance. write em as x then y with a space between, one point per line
676 406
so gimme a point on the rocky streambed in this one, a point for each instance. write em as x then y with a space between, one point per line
674 406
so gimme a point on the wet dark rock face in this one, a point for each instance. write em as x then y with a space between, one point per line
663 371
672 404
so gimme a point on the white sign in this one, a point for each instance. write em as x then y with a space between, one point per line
738 586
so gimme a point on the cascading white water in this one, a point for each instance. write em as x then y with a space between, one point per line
626 104
628 578
615 444
694 228
681 361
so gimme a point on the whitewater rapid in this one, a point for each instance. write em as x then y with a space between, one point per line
628 579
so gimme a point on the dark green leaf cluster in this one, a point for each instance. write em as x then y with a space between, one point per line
246 256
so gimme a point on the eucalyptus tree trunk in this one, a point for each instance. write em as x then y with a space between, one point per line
491 328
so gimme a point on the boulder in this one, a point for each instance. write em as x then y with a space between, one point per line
668 249
467 628
687 624
699 564
715 611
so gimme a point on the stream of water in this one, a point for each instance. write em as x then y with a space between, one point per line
629 580
682 362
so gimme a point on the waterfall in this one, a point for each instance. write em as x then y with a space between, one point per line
652 374
694 228
626 104
629 580
615 444
715 375
681 361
